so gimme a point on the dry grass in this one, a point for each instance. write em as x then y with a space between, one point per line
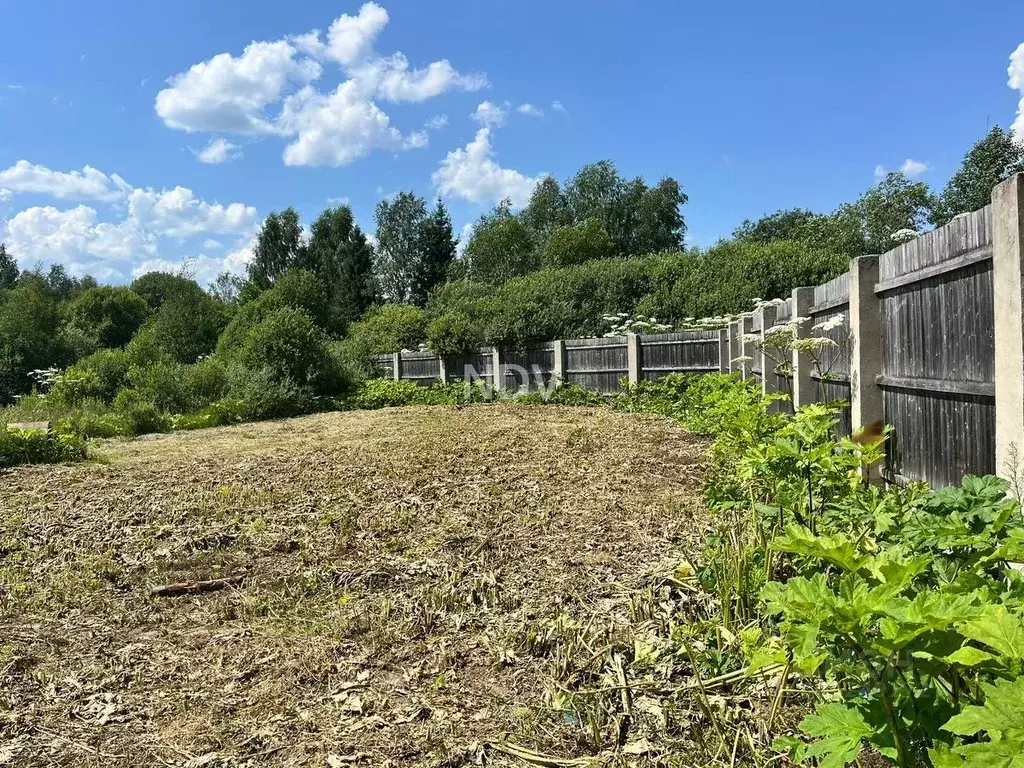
411 578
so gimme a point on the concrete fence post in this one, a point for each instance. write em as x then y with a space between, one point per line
769 381
865 344
560 361
497 370
746 328
803 365
723 350
633 358
396 365
1008 285
442 370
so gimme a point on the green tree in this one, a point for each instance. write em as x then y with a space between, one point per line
279 248
29 322
546 210
437 252
339 254
576 244
227 288
501 247
818 230
8 268
288 344
895 204
109 315
399 223
993 159
158 287
187 326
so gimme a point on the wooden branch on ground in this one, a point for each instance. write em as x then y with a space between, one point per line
196 587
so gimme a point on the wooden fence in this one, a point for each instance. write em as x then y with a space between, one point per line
928 338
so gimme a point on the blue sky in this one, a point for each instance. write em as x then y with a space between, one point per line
106 110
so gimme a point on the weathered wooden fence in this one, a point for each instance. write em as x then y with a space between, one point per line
928 338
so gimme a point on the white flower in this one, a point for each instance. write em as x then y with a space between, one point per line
743 359
778 329
799 320
750 338
903 235
831 324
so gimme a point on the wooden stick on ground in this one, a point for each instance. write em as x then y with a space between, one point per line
195 587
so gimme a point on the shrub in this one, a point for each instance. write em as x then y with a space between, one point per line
453 333
100 375
217 414
111 315
288 345
383 330
163 384
187 327
156 288
206 382
38 447
268 396
576 244
144 349
139 416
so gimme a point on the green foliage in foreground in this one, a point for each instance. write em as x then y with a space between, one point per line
38 447
898 607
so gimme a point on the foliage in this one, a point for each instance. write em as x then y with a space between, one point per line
158 287
38 447
993 159
820 231
399 225
110 315
340 256
8 268
387 393
29 324
500 248
227 288
384 329
139 416
187 327
437 253
577 243
279 248
895 204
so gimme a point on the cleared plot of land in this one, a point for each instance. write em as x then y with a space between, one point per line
395 567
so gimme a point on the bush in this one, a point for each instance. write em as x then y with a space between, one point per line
156 288
38 447
218 414
206 382
187 327
288 345
100 376
139 416
268 396
576 244
111 315
383 330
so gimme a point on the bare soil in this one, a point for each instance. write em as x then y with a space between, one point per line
394 565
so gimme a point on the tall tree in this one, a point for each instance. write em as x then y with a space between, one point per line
279 248
8 269
399 222
437 252
835 233
226 287
546 209
993 159
339 254
895 204
501 247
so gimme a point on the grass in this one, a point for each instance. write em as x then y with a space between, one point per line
422 586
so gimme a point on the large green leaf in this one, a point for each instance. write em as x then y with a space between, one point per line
1003 712
997 628
838 550
841 732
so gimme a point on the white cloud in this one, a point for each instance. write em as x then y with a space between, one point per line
86 242
909 168
530 110
437 122
218 150
5 195
269 90
556 106
1016 81
912 168
43 232
87 184
335 129
473 174
212 245
156 265
489 114
230 94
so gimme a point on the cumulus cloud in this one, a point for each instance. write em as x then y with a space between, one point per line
473 173
530 110
556 106
489 114
87 184
1016 81
437 122
142 218
5 195
218 150
910 168
269 90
